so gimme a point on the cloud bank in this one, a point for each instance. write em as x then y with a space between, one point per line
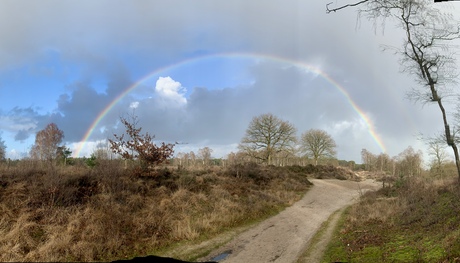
65 62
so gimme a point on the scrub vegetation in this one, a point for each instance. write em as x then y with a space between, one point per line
414 220
102 208
110 211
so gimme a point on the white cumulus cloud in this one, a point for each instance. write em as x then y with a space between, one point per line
134 104
170 91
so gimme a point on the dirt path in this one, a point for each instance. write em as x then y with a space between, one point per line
284 237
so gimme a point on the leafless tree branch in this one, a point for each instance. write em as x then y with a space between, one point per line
425 52
328 10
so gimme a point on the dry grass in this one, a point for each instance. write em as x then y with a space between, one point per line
75 213
415 221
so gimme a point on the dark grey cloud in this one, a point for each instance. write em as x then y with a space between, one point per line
162 31
23 134
102 45
21 121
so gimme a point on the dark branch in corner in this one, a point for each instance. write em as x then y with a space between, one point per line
342 7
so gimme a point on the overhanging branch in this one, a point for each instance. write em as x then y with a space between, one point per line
342 7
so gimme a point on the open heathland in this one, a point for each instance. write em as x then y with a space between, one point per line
414 220
109 212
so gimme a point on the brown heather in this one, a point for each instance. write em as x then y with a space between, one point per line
74 213
414 220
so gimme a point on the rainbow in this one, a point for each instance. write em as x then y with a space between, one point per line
296 63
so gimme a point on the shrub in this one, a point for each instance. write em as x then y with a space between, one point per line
91 161
140 146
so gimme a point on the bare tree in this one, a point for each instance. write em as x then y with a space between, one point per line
47 143
425 52
266 136
2 149
205 155
186 158
284 158
317 144
231 157
381 163
409 162
384 163
369 160
180 158
438 156
102 151
139 146
237 158
192 157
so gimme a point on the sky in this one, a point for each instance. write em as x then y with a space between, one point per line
197 72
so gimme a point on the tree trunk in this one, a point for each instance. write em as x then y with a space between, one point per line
449 139
426 74
455 149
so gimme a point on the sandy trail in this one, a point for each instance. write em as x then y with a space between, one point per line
284 237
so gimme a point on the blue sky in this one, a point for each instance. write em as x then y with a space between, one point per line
64 62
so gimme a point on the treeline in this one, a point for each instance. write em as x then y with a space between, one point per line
268 140
191 160
407 163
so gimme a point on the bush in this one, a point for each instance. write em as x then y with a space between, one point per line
246 170
91 161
